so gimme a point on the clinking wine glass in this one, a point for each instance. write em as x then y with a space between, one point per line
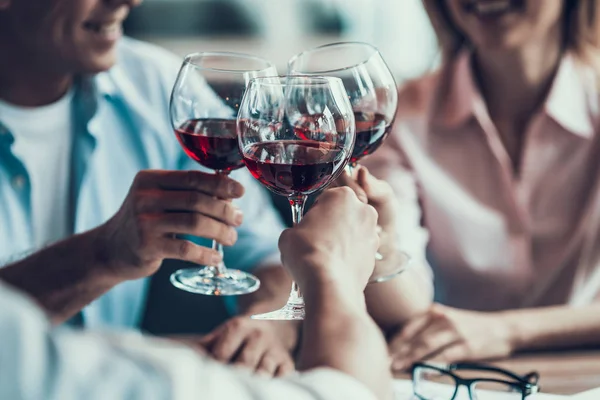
372 92
296 135
203 109
369 84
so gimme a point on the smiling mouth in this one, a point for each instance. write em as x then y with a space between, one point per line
493 8
109 31
104 28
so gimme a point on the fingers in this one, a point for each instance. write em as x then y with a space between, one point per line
191 224
285 368
215 185
430 336
452 353
248 345
429 343
155 201
399 346
228 341
267 366
343 200
275 363
410 330
252 351
376 190
208 339
185 250
343 195
346 180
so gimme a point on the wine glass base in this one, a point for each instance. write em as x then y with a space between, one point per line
289 312
404 263
206 281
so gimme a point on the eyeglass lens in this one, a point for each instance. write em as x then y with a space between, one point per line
431 384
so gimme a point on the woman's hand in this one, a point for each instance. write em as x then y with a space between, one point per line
449 335
380 195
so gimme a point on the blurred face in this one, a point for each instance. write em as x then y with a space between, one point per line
497 24
68 36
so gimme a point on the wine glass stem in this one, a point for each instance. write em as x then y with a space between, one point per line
297 204
220 268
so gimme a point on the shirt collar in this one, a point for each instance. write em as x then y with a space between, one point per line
116 86
104 85
572 101
93 90
457 93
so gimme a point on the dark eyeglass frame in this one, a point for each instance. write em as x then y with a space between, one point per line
526 384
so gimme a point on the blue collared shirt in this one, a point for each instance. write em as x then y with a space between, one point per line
121 126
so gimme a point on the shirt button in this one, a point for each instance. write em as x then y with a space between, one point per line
18 181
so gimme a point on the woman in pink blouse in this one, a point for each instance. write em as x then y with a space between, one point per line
500 150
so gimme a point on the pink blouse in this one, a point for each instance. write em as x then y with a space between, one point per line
496 241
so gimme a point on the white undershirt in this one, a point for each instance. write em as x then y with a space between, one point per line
43 138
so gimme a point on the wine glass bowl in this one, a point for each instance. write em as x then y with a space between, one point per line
203 109
212 143
293 167
371 130
296 135
370 87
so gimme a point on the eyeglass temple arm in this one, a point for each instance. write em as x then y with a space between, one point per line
531 378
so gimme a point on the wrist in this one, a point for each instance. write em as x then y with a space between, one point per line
392 259
102 265
324 284
326 293
322 271
511 330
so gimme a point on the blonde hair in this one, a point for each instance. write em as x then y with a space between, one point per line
582 29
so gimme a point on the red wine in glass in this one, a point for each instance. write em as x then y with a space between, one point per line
289 167
212 142
317 127
371 131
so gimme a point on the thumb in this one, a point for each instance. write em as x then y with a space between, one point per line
362 195
376 190
347 180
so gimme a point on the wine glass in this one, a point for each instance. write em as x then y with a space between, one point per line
296 135
372 91
203 109
369 84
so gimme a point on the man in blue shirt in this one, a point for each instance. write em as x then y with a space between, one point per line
82 111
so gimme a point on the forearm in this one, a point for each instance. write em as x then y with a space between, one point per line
62 278
275 285
391 304
553 327
338 333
